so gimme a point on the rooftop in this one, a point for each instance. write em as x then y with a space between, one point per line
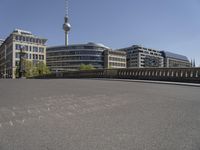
88 44
22 32
174 55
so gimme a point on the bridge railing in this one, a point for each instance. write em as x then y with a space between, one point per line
163 74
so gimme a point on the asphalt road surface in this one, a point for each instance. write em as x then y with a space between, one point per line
98 115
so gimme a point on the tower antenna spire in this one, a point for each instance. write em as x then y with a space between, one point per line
66 25
66 8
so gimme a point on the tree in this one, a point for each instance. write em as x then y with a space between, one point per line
42 68
31 69
86 67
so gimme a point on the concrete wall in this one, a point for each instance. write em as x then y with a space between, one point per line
161 74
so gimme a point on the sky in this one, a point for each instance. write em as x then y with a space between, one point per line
170 25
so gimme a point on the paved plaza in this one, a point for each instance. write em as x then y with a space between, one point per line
83 114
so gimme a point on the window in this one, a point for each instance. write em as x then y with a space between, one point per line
17 46
27 39
17 38
34 56
41 57
17 55
26 48
35 49
30 56
41 50
30 48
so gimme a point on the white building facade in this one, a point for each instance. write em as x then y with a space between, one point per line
141 57
34 48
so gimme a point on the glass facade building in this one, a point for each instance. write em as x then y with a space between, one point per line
172 60
64 58
142 57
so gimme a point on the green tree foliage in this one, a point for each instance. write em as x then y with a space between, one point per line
42 69
31 70
86 67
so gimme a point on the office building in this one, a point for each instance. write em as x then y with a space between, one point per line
65 58
172 60
19 40
141 57
114 59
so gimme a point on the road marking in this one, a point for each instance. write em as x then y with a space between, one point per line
48 109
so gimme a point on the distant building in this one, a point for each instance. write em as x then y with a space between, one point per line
33 46
114 59
1 41
65 58
172 60
141 57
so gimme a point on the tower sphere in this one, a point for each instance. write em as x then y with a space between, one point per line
66 25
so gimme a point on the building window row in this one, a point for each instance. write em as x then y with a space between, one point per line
117 59
29 48
75 58
29 39
30 56
75 53
62 64
117 64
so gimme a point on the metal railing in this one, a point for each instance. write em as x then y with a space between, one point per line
160 74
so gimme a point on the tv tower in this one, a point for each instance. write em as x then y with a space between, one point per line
66 25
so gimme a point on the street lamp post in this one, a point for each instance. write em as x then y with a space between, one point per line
21 65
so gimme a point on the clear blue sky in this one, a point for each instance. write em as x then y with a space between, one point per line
172 25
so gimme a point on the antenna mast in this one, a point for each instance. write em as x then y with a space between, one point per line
66 8
66 25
